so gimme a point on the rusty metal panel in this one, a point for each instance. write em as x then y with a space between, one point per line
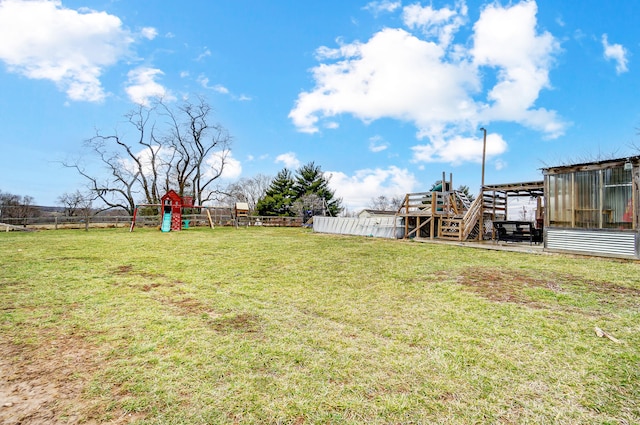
599 242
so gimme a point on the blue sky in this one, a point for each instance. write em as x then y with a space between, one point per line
383 95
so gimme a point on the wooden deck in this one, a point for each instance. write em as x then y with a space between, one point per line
523 247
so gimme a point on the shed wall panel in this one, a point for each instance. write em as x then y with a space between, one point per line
605 243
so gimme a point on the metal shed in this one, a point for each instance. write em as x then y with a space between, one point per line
592 208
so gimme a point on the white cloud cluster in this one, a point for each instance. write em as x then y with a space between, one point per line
41 39
423 77
377 7
289 160
368 184
232 167
142 86
458 149
617 53
439 23
505 39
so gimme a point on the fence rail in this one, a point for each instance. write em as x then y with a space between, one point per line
194 220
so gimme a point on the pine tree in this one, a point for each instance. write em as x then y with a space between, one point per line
310 180
279 197
306 194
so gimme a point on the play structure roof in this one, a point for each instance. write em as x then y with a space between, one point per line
533 189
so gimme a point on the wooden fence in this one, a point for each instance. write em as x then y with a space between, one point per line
195 220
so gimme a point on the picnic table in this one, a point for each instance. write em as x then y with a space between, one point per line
517 231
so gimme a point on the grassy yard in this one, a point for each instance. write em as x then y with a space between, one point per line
281 325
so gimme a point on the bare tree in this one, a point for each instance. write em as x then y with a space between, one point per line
309 205
249 190
78 204
171 148
200 149
85 210
16 206
72 202
382 203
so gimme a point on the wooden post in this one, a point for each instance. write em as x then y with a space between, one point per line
484 152
434 203
406 216
210 220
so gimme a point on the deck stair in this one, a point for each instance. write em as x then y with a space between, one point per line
463 199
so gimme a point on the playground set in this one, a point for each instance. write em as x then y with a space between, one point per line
172 206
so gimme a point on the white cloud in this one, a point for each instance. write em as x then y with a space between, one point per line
204 82
289 160
358 190
41 39
440 87
499 164
377 7
219 88
394 74
377 144
204 54
459 149
149 33
617 53
142 86
440 23
505 39
232 167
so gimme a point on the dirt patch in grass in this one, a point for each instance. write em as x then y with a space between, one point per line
512 286
45 383
505 286
124 269
128 269
244 322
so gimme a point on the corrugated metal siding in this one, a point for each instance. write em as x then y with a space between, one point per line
610 244
381 227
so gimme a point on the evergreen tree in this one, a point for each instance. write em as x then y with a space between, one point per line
310 180
279 197
307 194
465 189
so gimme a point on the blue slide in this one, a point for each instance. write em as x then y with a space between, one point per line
166 222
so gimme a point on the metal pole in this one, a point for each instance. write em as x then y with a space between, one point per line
484 153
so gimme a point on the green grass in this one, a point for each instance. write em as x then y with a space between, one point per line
275 325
